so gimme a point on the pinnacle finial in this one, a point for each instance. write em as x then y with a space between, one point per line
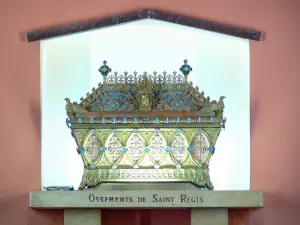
185 69
104 69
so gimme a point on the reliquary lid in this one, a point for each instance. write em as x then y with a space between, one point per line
145 99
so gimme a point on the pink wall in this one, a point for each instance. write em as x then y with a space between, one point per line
274 106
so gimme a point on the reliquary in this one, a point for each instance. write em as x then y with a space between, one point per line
145 128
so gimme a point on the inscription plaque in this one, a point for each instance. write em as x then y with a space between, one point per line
145 199
154 198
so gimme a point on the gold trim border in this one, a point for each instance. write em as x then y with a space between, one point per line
199 177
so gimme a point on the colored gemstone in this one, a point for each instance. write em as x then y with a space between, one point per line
93 166
124 149
199 119
167 149
91 120
113 120
156 120
178 120
93 131
178 131
82 149
68 123
190 148
136 130
114 131
147 149
189 120
199 165
103 148
157 131
211 119
210 149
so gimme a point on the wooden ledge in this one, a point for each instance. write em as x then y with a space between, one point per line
145 199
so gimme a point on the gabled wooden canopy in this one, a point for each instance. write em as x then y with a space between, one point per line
139 15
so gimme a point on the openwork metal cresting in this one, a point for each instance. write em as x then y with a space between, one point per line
146 128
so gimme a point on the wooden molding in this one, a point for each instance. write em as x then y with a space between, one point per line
143 14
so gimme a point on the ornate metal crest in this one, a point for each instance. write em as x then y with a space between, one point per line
150 127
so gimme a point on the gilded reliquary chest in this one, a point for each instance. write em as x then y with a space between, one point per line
146 128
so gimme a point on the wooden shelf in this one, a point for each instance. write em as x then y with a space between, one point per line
145 199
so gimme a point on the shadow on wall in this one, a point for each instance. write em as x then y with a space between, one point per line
254 109
35 113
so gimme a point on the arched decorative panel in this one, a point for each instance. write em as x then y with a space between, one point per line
200 145
93 147
178 147
114 148
135 147
157 146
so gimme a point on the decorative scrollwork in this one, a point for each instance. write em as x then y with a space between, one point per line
178 147
114 148
157 147
198 177
200 145
91 177
178 101
135 147
93 147
114 100
128 92
174 78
